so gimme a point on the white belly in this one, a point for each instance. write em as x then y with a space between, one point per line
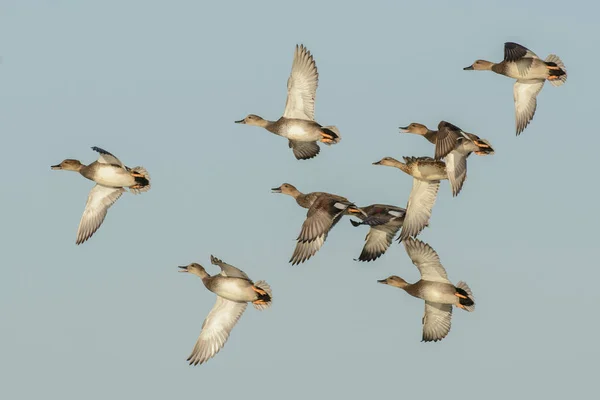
299 133
235 290
113 176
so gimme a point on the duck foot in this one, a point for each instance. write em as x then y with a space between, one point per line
259 291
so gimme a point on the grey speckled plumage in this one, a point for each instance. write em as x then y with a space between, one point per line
439 294
324 212
530 73
234 291
384 222
111 177
298 121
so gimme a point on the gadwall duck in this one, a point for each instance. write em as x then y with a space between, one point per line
324 211
453 145
384 222
298 121
234 290
427 174
111 177
531 72
435 288
448 138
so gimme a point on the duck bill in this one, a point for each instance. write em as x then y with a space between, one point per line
241 121
469 68
384 281
183 269
55 166
355 210
276 190
377 162
404 129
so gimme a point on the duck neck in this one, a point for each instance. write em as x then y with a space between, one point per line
404 167
271 126
206 278
304 200
430 136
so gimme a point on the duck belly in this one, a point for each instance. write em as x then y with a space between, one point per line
439 293
113 177
532 68
235 289
300 130
430 172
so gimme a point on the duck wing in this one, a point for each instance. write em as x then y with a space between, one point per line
456 167
514 52
107 158
426 260
304 150
420 203
99 201
378 239
436 321
525 95
321 217
302 86
229 270
216 329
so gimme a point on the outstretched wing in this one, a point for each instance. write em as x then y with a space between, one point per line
302 86
227 269
436 321
216 329
426 260
107 158
525 94
99 201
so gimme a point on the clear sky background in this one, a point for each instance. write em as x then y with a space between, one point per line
159 84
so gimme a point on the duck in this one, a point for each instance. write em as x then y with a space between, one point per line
454 146
439 294
384 222
427 174
447 138
298 123
234 290
324 211
530 73
111 177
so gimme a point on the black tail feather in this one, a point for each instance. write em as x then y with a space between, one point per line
467 301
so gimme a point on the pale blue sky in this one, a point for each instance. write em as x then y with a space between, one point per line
159 84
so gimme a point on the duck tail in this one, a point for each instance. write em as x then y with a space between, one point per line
465 296
557 72
142 180
265 296
485 148
331 135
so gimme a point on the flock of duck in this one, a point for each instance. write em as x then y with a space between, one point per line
234 289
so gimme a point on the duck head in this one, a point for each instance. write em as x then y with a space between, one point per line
480 65
253 119
394 281
195 269
68 165
416 128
